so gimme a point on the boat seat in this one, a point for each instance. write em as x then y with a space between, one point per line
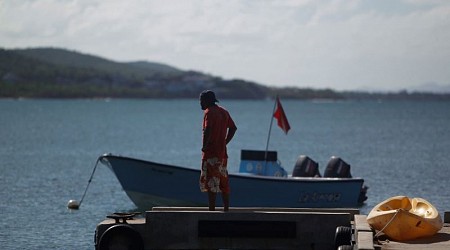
305 167
258 155
337 168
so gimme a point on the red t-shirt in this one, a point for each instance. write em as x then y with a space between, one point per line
218 120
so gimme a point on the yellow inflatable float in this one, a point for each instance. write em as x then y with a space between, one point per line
402 218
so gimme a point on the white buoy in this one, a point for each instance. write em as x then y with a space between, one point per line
73 204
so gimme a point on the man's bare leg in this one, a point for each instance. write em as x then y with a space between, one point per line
212 201
226 202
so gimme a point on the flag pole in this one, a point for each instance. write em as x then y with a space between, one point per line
270 129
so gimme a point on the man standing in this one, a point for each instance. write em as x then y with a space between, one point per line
218 130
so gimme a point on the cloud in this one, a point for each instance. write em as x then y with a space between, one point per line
342 44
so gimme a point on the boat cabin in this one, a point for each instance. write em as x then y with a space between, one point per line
260 162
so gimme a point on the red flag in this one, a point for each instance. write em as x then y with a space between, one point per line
281 117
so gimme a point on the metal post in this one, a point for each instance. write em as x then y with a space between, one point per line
270 129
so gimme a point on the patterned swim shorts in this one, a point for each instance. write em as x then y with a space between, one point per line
214 176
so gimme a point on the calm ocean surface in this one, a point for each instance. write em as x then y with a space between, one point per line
49 148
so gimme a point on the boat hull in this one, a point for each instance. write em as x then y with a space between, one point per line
150 184
402 218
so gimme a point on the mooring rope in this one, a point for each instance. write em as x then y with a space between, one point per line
90 179
387 224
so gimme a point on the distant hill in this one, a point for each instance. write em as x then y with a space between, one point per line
54 72
62 57
61 73
156 67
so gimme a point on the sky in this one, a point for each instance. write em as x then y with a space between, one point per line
370 45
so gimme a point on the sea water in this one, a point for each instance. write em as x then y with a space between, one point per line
49 149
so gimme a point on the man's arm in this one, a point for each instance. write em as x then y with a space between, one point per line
230 134
206 135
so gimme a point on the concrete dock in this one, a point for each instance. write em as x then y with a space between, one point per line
240 228
252 228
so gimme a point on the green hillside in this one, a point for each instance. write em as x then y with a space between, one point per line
53 72
61 73
78 60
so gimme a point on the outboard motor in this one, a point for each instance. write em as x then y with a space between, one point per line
306 167
337 167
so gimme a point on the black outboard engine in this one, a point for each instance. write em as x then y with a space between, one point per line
306 167
337 167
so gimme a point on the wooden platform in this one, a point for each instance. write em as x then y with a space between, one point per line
365 241
441 240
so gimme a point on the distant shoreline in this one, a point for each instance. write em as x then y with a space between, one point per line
52 73
372 97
